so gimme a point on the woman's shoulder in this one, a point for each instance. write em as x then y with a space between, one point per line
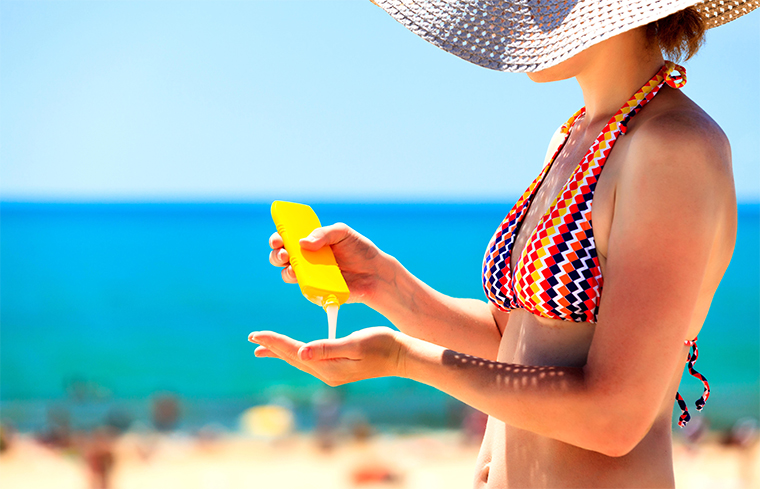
677 140
678 161
678 133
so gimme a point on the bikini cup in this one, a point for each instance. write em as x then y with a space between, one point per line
558 275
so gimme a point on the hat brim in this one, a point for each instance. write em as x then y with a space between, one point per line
526 36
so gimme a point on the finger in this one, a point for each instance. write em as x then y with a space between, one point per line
264 352
345 348
275 345
288 275
276 342
325 236
275 241
279 257
261 351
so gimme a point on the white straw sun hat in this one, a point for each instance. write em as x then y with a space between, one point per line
532 35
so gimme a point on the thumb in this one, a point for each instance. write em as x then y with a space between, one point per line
328 349
325 236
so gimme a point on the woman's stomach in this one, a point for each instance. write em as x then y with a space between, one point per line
512 457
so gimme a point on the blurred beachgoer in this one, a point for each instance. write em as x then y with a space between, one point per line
372 473
100 458
744 436
359 428
209 435
165 412
327 413
143 440
118 419
6 437
694 433
370 465
578 354
474 426
78 389
58 434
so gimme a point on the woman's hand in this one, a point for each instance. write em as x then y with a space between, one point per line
361 262
379 281
364 354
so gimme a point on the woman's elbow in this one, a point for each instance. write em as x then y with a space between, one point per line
618 434
616 424
617 447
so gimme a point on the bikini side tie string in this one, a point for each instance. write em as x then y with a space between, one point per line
700 403
685 416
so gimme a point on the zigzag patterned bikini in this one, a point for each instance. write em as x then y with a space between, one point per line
558 274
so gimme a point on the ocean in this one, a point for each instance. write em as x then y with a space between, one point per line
103 307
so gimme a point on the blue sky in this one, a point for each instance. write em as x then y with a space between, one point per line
303 100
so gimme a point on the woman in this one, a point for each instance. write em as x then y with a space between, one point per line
578 384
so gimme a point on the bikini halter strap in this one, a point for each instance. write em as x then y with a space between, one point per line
670 74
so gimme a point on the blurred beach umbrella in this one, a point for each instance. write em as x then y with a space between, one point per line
267 421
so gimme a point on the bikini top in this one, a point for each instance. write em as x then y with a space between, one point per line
558 275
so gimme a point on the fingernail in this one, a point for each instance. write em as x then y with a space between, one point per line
252 337
306 354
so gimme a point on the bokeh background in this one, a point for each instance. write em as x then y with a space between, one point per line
140 146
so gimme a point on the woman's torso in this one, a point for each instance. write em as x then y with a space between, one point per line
511 457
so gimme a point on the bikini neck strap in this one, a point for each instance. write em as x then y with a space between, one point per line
671 74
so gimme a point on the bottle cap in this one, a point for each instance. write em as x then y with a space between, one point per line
330 300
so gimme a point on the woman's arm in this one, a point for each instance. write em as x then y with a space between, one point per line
418 310
382 283
672 209
673 227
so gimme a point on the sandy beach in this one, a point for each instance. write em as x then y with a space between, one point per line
432 460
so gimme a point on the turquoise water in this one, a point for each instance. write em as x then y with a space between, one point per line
104 305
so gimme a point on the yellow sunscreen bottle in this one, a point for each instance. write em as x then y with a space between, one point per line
317 272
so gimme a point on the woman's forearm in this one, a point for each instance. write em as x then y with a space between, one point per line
556 402
420 311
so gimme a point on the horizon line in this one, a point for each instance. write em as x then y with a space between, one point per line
321 201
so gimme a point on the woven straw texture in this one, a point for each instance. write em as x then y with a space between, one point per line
719 12
532 35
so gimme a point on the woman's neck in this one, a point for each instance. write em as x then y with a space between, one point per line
614 70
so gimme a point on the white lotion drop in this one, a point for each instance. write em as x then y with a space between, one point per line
332 320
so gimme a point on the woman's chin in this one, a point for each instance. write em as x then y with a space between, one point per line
564 70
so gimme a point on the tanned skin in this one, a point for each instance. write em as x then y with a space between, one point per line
569 404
